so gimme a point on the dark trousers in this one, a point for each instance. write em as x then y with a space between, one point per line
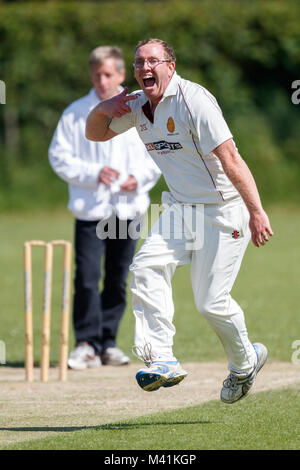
96 315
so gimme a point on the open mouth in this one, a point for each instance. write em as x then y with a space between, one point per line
148 82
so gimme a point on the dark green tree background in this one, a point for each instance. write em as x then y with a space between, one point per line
245 53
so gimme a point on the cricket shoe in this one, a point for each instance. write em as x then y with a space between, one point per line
83 357
160 374
114 357
236 387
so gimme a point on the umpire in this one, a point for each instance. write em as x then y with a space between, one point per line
106 180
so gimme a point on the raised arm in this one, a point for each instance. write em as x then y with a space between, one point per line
98 120
241 177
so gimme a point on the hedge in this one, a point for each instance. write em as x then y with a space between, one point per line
245 53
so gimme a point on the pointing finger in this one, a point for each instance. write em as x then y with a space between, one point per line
130 98
123 95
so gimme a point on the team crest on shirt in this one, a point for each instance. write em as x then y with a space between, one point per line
171 125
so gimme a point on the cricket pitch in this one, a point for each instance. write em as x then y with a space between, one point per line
110 394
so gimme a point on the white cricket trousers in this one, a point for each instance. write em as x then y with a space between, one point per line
220 233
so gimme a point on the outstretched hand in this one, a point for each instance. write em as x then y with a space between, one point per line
260 228
117 105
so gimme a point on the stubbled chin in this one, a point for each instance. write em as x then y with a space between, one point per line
150 90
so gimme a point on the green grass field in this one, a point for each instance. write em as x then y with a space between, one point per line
256 424
268 290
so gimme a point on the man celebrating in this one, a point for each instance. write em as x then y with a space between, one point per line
109 180
182 127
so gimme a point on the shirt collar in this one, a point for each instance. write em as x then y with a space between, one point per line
93 95
171 89
172 86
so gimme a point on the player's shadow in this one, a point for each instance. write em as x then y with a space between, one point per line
102 427
21 364
13 364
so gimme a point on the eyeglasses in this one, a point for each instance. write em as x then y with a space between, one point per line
139 63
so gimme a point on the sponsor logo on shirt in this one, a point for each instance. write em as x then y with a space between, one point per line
163 145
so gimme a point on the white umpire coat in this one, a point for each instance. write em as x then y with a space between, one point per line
78 161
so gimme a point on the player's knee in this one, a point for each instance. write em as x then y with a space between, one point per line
207 307
202 309
136 268
138 263
142 262
136 274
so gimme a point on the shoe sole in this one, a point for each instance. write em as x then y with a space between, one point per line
264 357
151 382
261 362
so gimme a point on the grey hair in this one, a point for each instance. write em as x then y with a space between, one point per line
102 53
169 52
